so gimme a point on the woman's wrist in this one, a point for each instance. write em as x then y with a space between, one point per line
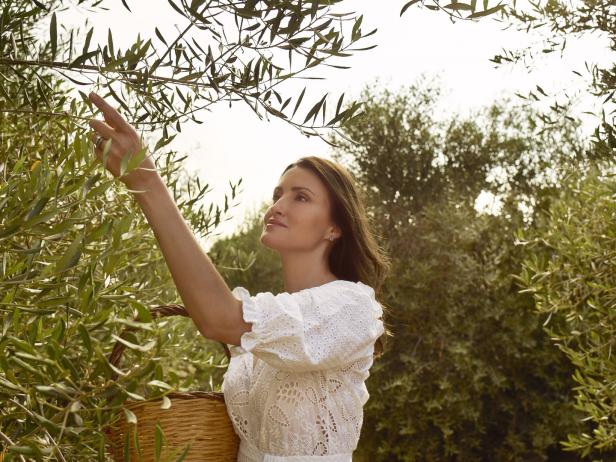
142 176
145 186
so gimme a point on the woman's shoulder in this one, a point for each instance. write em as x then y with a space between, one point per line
334 285
335 290
349 292
343 285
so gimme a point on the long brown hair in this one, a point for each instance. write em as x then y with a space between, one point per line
356 255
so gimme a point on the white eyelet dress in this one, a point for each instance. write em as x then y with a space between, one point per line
295 386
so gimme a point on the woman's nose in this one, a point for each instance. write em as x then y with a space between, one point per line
276 206
275 211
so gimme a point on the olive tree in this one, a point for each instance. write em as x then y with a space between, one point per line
558 22
78 262
570 272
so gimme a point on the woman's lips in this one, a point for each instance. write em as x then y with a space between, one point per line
274 224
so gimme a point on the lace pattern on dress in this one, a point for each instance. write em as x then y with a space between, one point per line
296 383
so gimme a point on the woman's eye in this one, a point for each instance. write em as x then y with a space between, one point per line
275 198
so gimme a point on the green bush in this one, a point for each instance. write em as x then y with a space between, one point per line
469 374
570 270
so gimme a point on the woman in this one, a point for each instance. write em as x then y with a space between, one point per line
295 385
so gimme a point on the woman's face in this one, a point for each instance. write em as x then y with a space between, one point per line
305 212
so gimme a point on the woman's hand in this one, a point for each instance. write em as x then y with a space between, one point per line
125 141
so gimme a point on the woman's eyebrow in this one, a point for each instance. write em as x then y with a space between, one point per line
295 188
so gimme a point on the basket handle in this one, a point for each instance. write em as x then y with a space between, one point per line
156 312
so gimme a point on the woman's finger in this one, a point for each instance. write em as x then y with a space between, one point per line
102 128
112 116
94 136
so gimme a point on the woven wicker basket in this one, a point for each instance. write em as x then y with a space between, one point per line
198 418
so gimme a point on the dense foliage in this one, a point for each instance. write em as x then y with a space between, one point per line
576 232
570 270
78 261
470 375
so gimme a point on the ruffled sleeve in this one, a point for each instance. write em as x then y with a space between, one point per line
314 329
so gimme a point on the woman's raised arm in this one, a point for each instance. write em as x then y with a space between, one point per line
204 293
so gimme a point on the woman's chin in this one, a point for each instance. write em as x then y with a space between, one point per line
269 240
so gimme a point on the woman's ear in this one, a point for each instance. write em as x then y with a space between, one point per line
335 231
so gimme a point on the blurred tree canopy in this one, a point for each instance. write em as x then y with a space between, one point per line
470 374
567 262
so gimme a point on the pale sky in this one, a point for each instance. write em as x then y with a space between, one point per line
234 143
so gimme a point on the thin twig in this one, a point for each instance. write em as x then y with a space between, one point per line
29 412
8 440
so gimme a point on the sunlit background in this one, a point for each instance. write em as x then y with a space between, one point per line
233 142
